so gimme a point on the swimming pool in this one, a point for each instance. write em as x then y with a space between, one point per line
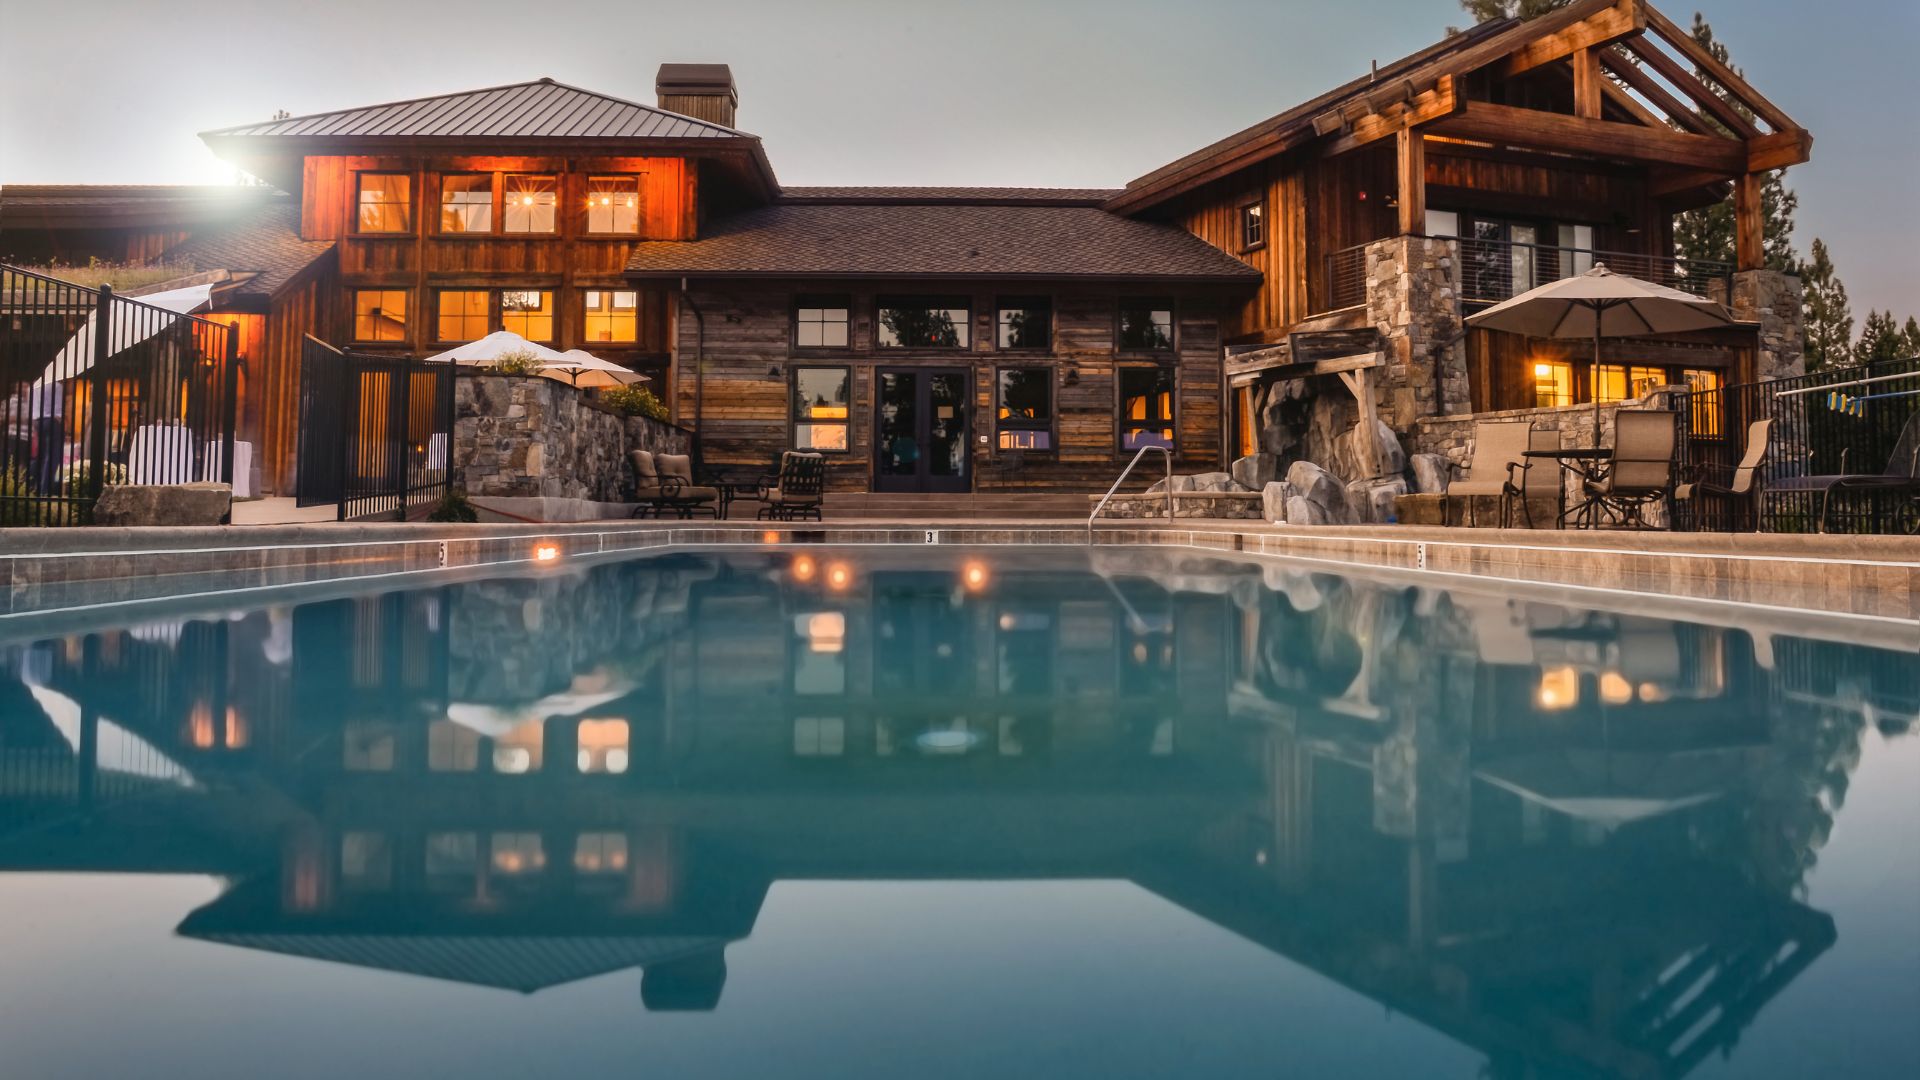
871 812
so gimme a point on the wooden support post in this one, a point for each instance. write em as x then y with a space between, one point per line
1586 84
1749 223
1363 431
1412 147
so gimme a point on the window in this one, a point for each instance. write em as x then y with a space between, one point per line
600 853
464 315
1253 225
366 861
602 746
1146 325
386 203
452 747
1443 223
821 397
613 315
527 312
531 202
1704 404
1552 383
1614 382
613 204
1146 407
1026 322
923 322
466 203
820 322
1024 417
379 315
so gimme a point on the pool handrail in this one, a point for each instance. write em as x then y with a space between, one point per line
1126 472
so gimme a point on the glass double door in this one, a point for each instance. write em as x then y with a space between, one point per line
920 434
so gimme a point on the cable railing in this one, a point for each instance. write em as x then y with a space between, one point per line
1489 271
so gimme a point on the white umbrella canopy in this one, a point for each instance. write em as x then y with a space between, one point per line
1601 304
581 368
491 348
131 326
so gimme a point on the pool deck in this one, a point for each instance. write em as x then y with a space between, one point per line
1874 578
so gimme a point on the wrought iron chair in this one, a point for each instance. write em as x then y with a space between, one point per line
1639 475
797 491
1499 468
1733 486
664 482
1900 477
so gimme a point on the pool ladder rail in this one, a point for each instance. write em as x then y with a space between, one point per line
1126 472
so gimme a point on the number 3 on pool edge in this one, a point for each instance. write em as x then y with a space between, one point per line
933 536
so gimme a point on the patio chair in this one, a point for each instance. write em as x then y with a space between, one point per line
1734 486
1639 475
1902 474
664 482
1499 468
797 491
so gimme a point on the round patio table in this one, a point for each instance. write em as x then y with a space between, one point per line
1584 464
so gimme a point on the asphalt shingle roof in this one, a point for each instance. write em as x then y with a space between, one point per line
264 242
1006 196
895 239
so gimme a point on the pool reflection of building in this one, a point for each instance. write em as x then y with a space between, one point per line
1567 840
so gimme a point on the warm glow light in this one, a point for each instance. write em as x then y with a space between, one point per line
200 725
839 576
804 568
769 537
1543 371
1615 689
826 632
975 576
1559 689
546 553
236 729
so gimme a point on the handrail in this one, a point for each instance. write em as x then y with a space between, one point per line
1853 382
1128 471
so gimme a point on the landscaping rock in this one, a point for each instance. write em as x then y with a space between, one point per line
1388 460
1431 474
164 504
1213 481
1316 486
1304 511
1255 471
1273 500
1424 508
1372 500
1180 483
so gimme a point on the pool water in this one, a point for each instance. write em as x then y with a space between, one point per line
924 813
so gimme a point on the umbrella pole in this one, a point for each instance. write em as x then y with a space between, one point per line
1593 379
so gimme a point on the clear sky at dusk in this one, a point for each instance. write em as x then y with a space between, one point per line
868 91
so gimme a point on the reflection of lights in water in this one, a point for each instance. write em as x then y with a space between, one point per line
603 746
770 537
943 650
1007 621
236 729
839 576
1559 689
1615 689
826 632
1652 694
804 568
1260 857
546 552
946 741
974 575
1139 652
200 725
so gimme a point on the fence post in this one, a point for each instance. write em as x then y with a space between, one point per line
350 402
231 412
97 400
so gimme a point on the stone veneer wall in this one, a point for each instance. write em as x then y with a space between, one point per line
1775 301
1413 300
535 437
1452 436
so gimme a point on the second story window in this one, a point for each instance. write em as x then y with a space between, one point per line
464 315
379 315
1146 324
385 202
820 322
923 322
466 203
1253 225
613 315
532 204
1026 322
613 205
527 312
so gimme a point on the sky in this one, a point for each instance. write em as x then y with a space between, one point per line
1031 93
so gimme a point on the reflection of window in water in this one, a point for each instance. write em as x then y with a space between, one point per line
520 749
518 853
366 861
367 747
819 661
603 746
600 853
1024 647
452 747
452 859
819 736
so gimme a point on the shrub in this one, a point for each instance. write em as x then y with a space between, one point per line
73 477
19 505
454 507
517 362
635 401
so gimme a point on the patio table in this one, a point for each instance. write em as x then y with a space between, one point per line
1584 465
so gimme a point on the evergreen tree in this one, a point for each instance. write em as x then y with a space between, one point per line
1910 348
1707 233
1829 320
1485 10
1880 339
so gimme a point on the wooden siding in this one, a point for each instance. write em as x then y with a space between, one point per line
744 410
309 305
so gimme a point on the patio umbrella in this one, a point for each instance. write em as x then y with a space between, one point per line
583 369
1600 304
491 348
132 324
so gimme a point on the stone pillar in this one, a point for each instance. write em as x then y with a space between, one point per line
1413 300
1774 300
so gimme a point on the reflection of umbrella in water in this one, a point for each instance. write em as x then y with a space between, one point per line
1615 788
116 749
496 721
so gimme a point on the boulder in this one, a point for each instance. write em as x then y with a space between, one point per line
1213 481
1255 471
164 504
1273 500
1180 483
1372 500
1315 485
1388 458
1303 511
1431 474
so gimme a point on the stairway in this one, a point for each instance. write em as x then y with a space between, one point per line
989 506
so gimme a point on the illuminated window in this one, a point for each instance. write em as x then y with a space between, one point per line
516 853
531 203
1253 225
1023 417
821 399
1705 403
1146 325
1026 322
613 204
1615 382
600 853
527 312
521 749
1146 407
923 322
379 315
1552 383
366 861
367 748
466 203
1559 689
385 202
465 315
603 746
613 315
452 747
820 322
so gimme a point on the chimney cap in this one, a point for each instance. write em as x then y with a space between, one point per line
695 79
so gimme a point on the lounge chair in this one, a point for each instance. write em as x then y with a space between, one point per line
1639 475
1902 474
1735 486
1499 468
664 482
797 491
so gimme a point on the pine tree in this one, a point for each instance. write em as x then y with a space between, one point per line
1829 319
1910 347
1880 339
1485 10
1707 233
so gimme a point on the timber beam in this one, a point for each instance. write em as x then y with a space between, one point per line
1718 72
1619 65
1530 128
1670 69
1779 150
1424 108
1623 19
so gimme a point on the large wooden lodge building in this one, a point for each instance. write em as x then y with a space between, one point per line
1250 297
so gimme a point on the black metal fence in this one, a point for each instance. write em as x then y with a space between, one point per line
98 389
376 433
1840 422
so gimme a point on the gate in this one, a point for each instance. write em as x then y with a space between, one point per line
98 389
376 433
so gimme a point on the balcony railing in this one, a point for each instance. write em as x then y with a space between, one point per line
1489 271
